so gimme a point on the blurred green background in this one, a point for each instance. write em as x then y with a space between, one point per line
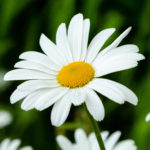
22 22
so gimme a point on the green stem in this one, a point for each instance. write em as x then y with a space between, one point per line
96 129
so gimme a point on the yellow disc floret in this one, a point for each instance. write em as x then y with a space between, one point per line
75 74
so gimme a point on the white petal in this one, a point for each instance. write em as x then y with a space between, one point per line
75 31
126 145
97 43
92 137
34 66
94 105
113 90
116 42
33 85
147 117
25 74
60 111
5 144
50 98
26 148
77 96
112 140
30 101
18 95
51 51
14 144
62 43
107 89
85 37
94 145
39 58
104 135
64 143
93 142
82 140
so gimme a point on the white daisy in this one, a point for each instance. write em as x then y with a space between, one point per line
5 118
70 71
82 142
7 144
147 117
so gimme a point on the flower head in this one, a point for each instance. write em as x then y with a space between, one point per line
71 71
82 142
5 118
7 144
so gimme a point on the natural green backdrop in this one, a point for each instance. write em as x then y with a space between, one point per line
21 24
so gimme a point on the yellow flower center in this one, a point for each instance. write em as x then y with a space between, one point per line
75 74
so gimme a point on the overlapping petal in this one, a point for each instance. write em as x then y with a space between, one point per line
113 90
63 43
75 31
121 58
60 111
94 105
97 43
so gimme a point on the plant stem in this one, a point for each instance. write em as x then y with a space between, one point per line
96 129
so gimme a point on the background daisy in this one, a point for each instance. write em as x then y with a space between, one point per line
7 144
82 141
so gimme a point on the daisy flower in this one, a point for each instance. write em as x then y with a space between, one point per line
147 117
5 118
84 142
70 71
7 144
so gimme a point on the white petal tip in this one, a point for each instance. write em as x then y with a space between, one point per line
129 28
24 108
111 29
21 56
12 101
16 65
118 133
114 29
147 119
39 109
100 119
142 57
7 77
42 38
56 124
79 15
59 138
135 102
